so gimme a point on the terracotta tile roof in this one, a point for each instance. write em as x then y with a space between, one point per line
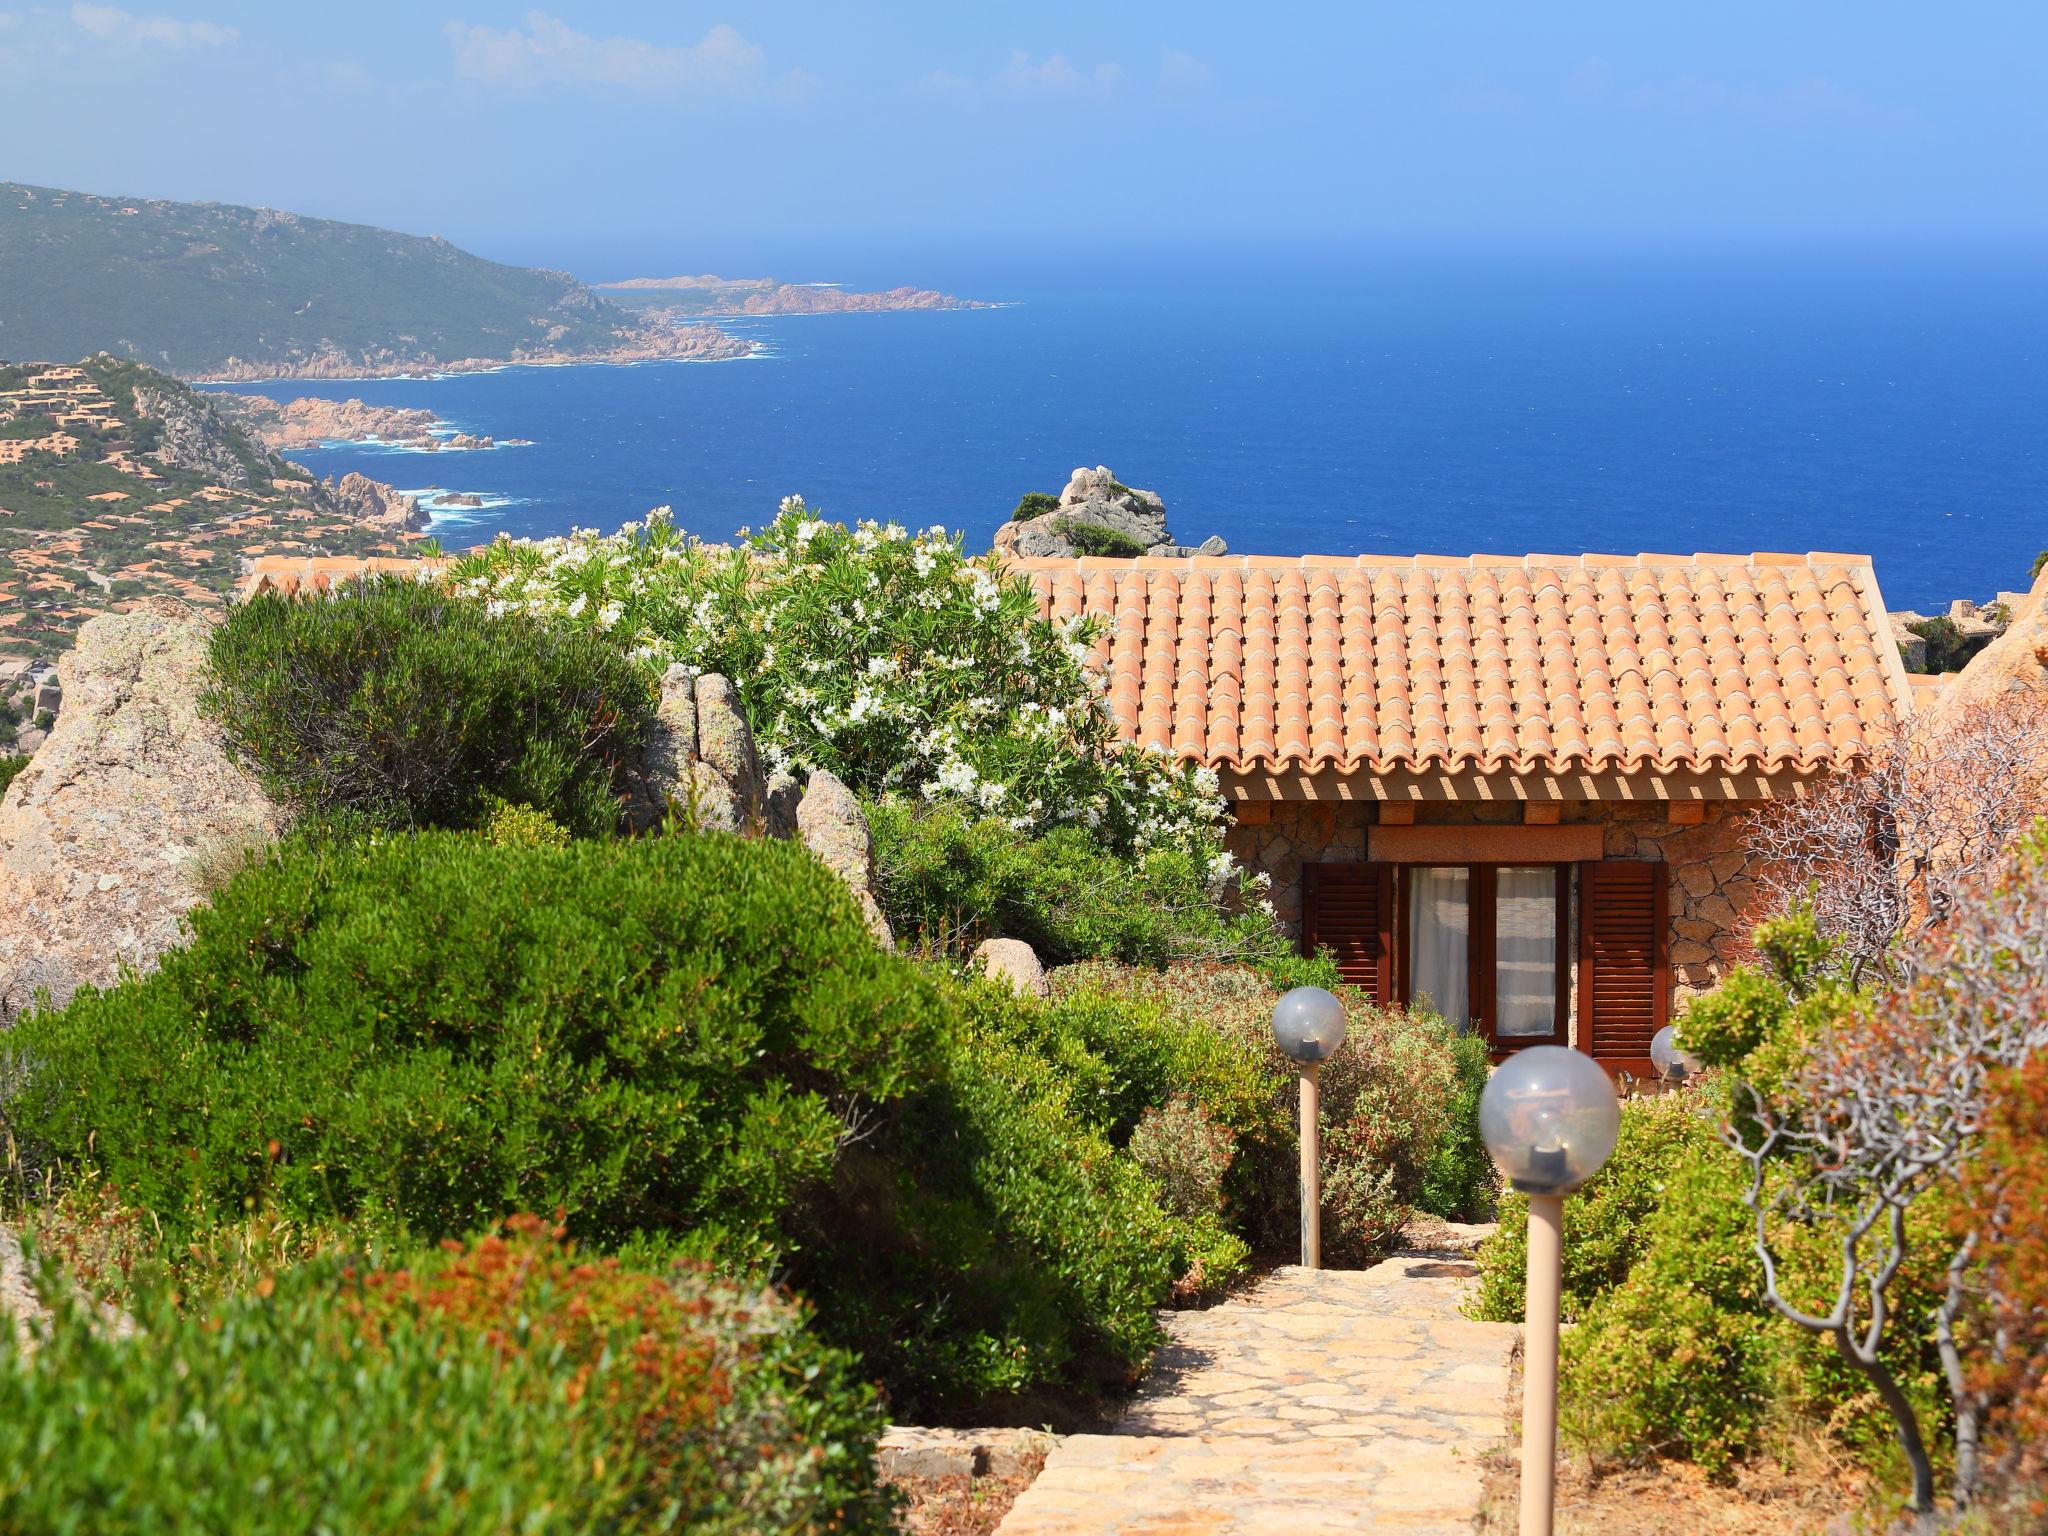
1374 663
287 574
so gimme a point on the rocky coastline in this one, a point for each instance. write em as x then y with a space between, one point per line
311 422
653 343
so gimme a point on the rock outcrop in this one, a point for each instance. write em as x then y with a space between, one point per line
2011 670
376 504
114 829
31 691
1098 514
1014 963
831 823
700 757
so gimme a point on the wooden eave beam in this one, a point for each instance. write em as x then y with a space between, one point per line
1412 786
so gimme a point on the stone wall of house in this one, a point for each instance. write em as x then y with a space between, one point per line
1711 884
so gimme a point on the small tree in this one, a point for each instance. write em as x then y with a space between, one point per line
1886 1102
1879 853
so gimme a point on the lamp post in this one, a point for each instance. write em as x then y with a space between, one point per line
1674 1063
1308 1026
1549 1118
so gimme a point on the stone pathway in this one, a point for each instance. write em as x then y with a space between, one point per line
1339 1401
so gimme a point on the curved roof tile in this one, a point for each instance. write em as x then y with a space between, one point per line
1646 662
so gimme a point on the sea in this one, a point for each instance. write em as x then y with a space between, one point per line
1446 401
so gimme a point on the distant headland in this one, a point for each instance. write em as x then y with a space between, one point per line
220 293
759 297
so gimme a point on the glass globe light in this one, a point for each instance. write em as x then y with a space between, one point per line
1550 1118
1308 1024
1674 1063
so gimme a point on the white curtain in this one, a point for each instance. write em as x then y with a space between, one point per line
1439 940
1525 919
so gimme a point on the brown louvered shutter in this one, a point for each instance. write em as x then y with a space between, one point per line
1348 909
1624 958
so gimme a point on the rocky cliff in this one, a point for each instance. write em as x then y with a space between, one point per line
375 504
128 815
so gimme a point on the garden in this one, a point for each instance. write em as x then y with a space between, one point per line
480 1164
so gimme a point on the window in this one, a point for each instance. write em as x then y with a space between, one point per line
1484 945
1526 952
1440 940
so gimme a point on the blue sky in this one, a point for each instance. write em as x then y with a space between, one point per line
709 136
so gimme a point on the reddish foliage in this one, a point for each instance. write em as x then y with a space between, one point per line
2008 1198
527 1292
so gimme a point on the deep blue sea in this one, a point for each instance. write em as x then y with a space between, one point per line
1450 402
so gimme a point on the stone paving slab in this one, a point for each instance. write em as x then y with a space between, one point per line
1331 1401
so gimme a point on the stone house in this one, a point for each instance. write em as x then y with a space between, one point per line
1511 788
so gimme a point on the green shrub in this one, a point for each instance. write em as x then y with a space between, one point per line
1186 1153
1676 1350
1606 1223
987 1239
1684 1356
393 701
1948 648
657 1036
1094 539
9 767
506 1387
1399 1099
520 826
1034 504
1285 972
685 1043
948 880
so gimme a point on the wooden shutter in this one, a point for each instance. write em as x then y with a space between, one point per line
1348 909
1624 958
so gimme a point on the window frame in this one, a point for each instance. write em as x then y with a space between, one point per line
1481 939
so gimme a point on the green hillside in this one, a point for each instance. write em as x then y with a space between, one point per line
118 482
191 286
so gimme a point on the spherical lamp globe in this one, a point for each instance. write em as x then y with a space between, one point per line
1550 1119
1308 1025
1674 1063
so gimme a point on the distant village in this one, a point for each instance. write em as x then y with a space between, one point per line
152 527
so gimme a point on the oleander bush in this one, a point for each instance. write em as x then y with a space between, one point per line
687 1044
394 702
949 879
509 1384
895 660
